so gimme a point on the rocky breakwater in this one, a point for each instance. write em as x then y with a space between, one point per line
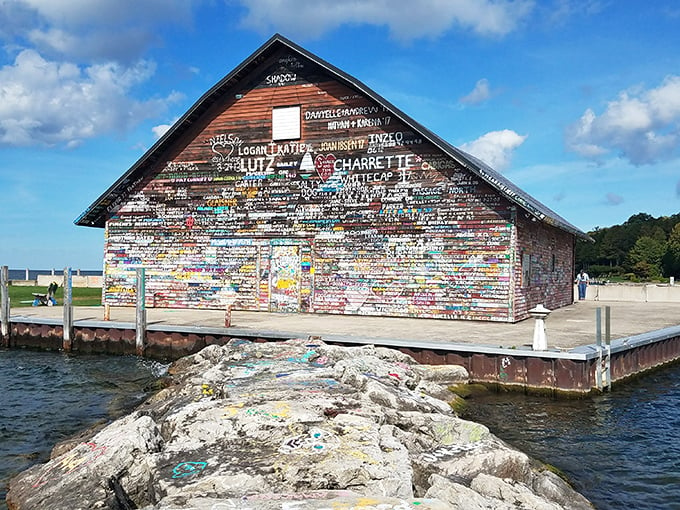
294 425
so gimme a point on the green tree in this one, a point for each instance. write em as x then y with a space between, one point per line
671 259
645 257
654 231
614 245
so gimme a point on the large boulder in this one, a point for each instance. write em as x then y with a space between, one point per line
298 425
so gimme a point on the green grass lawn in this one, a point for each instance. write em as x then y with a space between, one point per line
82 296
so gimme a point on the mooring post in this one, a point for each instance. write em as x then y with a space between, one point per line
603 374
608 343
598 343
68 310
540 313
140 315
607 325
4 306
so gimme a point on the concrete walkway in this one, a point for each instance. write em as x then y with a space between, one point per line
566 328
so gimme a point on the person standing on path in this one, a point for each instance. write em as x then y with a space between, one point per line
582 280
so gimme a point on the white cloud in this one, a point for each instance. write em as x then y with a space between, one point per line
161 129
479 94
104 29
53 103
642 126
406 21
75 65
15 17
107 12
495 148
561 11
122 45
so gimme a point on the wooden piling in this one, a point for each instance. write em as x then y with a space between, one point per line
603 374
140 315
4 306
608 345
68 310
227 317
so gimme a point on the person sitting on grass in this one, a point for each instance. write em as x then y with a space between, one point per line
51 291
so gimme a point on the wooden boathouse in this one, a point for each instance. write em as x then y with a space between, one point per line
290 186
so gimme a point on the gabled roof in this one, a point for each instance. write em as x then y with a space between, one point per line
96 214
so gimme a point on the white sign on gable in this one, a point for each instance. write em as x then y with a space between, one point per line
286 123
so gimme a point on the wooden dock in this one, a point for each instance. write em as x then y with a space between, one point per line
493 353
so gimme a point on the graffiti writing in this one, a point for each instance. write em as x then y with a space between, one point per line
361 122
315 382
449 451
378 142
281 411
314 441
281 79
341 145
401 161
505 363
298 501
302 359
184 469
223 147
341 112
290 62
79 457
325 166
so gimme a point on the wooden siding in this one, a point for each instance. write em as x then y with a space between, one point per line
361 215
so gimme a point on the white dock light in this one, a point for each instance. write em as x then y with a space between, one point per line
540 313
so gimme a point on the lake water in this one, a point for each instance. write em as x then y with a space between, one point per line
621 449
46 397
20 274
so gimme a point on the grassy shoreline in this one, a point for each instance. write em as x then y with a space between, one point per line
21 296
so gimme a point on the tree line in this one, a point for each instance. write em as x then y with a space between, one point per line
643 248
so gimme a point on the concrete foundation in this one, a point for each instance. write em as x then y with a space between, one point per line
632 293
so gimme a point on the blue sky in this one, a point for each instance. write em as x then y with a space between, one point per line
575 101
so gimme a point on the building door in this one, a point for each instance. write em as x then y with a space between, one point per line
284 281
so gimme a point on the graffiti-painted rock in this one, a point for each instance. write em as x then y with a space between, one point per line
296 425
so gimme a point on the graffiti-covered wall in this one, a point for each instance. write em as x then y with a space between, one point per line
297 193
544 272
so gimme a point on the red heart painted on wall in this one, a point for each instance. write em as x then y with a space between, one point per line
325 166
